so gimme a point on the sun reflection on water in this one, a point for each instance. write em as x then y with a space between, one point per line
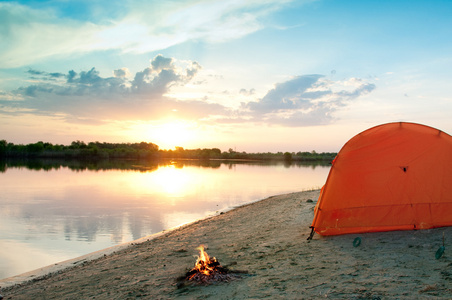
169 182
173 182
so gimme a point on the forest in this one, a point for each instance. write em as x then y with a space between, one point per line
144 150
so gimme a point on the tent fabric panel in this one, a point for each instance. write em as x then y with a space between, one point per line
420 216
441 214
392 176
356 172
354 230
384 217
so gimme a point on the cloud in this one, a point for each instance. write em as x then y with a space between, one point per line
33 33
306 100
154 80
33 90
157 78
286 95
29 35
88 96
45 75
361 88
161 63
35 72
246 92
193 70
121 73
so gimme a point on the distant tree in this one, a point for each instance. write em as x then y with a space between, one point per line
78 145
287 156
35 148
3 145
48 146
79 149
215 152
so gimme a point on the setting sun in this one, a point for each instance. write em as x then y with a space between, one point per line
168 135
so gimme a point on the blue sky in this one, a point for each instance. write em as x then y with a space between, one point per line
250 75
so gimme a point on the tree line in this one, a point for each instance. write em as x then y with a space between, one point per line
144 150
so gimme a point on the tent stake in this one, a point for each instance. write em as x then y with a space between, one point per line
311 234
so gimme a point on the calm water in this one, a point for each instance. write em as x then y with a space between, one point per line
51 212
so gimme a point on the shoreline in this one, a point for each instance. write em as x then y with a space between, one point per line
61 266
267 239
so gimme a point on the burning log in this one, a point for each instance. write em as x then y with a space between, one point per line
208 270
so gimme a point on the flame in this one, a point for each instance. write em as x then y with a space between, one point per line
205 264
208 270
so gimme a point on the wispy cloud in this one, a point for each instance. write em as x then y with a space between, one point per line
29 35
32 34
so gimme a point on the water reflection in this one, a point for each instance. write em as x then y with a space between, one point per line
138 165
57 211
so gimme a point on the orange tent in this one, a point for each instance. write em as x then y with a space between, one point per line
395 176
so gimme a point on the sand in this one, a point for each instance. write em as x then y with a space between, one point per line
267 239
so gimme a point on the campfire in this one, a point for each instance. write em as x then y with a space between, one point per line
208 270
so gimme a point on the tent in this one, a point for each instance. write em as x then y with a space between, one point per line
395 176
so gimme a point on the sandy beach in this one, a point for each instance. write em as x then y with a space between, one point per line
268 240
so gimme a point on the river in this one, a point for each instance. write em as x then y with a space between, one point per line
52 211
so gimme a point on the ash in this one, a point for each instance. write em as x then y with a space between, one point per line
221 274
201 278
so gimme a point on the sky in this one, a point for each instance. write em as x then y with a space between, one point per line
254 76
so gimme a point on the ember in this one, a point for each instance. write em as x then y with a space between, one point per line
208 270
